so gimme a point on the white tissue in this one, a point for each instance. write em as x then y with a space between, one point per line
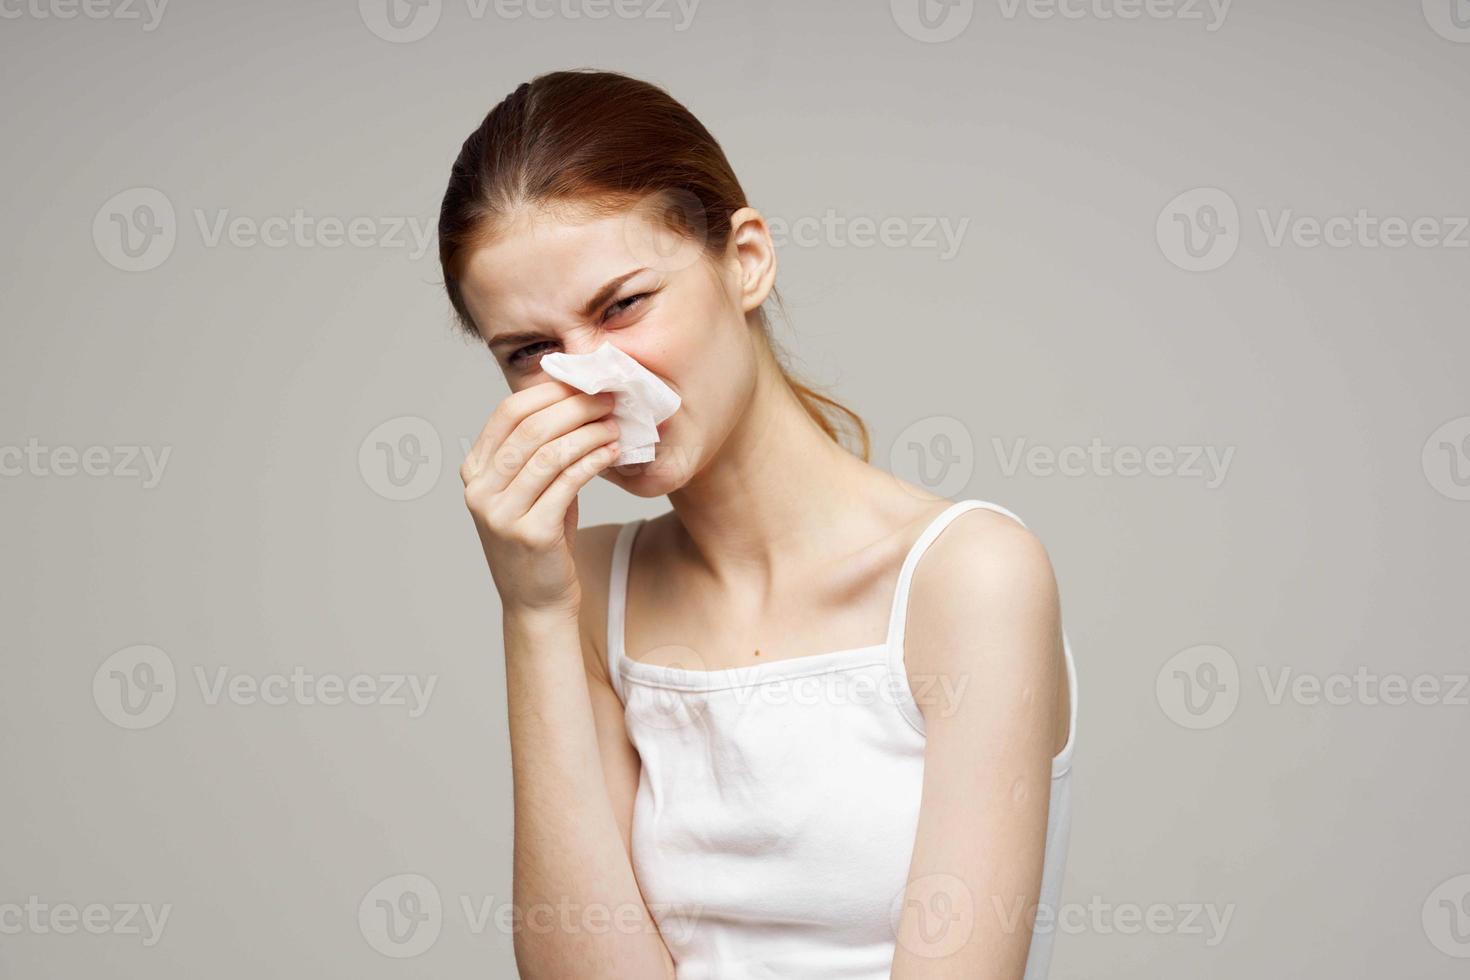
643 401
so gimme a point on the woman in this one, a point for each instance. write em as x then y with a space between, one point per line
755 736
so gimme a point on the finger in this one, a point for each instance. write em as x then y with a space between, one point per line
549 461
550 509
517 430
506 416
537 432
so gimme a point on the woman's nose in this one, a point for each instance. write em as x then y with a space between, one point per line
583 345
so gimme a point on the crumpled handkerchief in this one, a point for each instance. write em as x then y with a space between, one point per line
643 401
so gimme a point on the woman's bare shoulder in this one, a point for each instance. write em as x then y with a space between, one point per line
594 549
985 574
593 556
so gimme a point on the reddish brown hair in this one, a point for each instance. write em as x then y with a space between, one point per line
602 141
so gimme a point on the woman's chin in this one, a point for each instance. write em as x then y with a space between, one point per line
632 471
651 479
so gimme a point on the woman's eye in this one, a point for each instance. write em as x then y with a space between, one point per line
624 304
519 357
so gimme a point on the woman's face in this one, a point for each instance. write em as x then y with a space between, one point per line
557 280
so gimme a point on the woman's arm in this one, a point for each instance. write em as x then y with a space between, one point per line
985 617
581 913
621 767
578 909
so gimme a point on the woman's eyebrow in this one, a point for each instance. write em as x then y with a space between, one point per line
518 337
599 299
608 290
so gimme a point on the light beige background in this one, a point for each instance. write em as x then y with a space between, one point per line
1331 834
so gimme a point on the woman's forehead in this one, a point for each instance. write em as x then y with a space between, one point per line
511 288
545 261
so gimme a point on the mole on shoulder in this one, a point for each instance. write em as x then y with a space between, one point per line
757 653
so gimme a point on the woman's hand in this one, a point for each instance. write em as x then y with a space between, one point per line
521 477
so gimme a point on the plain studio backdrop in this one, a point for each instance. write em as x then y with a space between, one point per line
1183 285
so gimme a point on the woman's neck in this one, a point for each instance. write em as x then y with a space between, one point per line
780 492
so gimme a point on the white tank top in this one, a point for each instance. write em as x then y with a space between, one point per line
778 803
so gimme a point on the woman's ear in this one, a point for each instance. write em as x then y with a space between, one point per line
755 256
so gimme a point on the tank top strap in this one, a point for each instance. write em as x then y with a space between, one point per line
617 601
898 618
